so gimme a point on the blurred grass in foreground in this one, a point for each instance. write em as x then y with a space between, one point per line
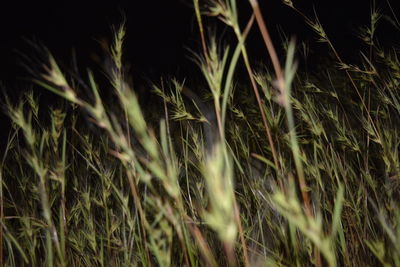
283 168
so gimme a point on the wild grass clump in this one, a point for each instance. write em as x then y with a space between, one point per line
278 168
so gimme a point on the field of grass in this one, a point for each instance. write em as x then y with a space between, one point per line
281 167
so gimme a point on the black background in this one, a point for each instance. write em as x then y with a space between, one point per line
159 32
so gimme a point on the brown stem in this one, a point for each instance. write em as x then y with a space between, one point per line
281 84
241 234
201 31
204 248
143 221
257 94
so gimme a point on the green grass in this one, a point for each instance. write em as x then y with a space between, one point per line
281 167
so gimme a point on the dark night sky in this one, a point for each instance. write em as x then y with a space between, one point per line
159 31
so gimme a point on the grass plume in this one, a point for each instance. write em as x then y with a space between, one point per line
281 167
